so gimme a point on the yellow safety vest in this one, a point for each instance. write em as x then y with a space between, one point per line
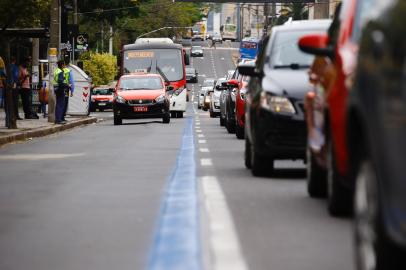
66 73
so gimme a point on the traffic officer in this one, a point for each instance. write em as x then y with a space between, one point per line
61 86
70 89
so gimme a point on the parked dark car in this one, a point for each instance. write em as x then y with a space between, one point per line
376 135
191 75
275 125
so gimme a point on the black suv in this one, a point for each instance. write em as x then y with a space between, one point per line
275 126
377 135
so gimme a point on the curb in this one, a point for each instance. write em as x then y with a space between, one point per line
44 131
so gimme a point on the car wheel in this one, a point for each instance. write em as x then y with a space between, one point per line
260 166
373 249
199 107
229 125
212 114
117 120
101 110
247 154
339 197
179 114
221 121
316 177
166 119
173 114
239 132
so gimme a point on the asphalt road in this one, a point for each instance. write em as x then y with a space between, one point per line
96 198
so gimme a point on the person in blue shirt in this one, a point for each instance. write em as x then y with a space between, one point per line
13 82
71 88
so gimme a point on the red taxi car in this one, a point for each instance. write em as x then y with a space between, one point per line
141 96
102 98
331 74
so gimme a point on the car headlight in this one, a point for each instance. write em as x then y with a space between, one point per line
160 99
276 104
120 99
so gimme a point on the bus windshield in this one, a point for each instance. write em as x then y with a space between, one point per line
167 62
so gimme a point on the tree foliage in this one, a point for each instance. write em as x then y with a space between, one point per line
24 13
102 67
294 10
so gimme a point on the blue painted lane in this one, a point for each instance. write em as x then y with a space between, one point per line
177 238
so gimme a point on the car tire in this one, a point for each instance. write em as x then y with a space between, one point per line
221 121
260 166
374 247
179 114
199 107
117 120
229 125
339 197
173 114
316 177
212 114
239 132
101 110
166 119
247 154
205 108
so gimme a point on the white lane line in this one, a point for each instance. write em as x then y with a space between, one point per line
200 135
202 141
224 243
206 162
204 150
198 130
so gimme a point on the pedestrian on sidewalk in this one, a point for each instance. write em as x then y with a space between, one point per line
61 86
13 82
25 89
70 88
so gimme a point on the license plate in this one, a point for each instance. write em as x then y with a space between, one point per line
140 109
102 104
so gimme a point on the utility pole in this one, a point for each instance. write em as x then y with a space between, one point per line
53 56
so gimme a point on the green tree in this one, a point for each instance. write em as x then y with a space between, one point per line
294 10
102 67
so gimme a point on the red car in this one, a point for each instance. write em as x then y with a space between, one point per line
240 104
102 98
141 96
331 74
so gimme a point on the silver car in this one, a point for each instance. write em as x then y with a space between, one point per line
215 98
207 85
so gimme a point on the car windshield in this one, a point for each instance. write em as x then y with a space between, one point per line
141 83
167 62
102 91
196 47
208 83
285 52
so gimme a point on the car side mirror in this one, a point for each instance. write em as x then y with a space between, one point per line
316 44
248 70
232 83
170 88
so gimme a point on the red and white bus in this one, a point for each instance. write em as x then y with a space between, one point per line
164 58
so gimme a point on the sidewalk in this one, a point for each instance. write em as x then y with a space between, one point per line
31 128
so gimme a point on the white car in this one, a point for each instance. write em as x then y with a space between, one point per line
178 102
215 98
207 85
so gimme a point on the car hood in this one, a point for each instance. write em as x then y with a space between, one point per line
140 94
287 82
217 93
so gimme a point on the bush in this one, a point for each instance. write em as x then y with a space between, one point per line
102 67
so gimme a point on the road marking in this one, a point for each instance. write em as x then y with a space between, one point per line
200 135
39 156
198 130
204 150
224 243
206 162
202 141
177 242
